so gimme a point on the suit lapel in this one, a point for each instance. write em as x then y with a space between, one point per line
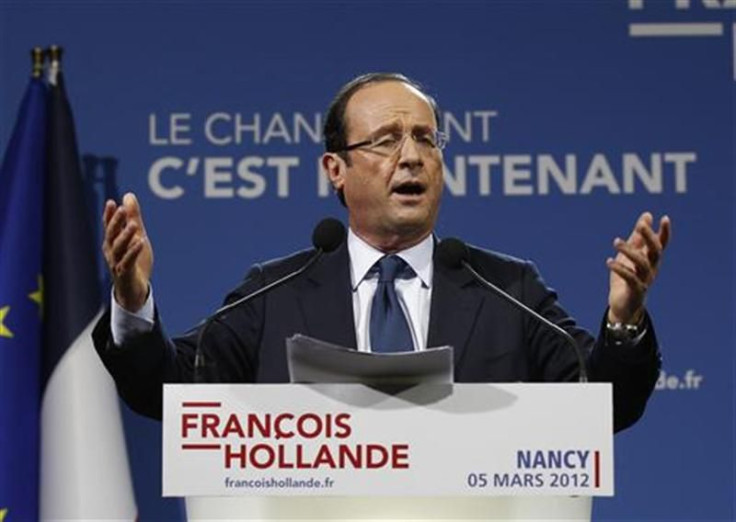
453 310
326 300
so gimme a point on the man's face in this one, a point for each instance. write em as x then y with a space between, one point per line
392 199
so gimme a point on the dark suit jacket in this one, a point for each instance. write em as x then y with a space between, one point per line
493 342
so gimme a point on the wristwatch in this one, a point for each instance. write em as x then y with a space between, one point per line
620 333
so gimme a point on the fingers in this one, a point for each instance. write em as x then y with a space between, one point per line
115 221
665 231
647 241
128 252
133 209
122 244
641 265
123 226
628 275
635 267
644 220
130 256
639 257
659 241
652 241
108 212
115 224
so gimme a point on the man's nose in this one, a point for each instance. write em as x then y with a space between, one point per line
410 156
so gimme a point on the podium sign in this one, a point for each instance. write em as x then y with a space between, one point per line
426 440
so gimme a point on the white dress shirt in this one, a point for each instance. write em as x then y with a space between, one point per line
414 293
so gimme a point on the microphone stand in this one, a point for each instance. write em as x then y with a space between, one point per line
199 357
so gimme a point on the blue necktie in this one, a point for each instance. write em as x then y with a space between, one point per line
389 329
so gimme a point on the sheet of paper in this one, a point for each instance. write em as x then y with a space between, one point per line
313 361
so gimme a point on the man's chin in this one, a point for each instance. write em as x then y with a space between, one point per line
412 222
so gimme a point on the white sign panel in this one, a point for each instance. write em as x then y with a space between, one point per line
330 439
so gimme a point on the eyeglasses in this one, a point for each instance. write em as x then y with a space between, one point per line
388 143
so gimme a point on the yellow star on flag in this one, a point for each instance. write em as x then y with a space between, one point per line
4 332
3 512
37 297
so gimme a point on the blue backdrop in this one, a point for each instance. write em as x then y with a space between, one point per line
566 120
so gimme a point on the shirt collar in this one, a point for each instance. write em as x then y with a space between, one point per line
363 256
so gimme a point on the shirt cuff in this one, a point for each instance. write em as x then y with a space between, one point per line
125 325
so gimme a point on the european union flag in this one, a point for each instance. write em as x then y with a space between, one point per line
21 299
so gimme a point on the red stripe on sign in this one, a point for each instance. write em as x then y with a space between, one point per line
200 446
597 469
201 404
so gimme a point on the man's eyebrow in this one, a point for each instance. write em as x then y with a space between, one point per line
397 126
387 127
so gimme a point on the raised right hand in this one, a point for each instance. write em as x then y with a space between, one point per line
127 251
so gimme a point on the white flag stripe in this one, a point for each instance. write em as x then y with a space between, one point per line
84 461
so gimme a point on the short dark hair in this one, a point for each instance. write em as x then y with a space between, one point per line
335 128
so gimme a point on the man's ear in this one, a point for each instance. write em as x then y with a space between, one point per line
335 167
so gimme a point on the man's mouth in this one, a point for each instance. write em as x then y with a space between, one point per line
409 188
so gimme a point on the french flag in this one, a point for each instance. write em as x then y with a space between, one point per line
84 463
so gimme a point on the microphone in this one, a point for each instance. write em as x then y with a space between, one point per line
454 254
327 237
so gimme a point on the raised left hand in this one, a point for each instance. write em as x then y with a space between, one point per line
635 267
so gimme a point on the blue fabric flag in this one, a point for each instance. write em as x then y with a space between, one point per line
70 253
21 298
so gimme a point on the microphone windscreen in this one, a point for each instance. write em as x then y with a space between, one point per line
328 235
451 252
